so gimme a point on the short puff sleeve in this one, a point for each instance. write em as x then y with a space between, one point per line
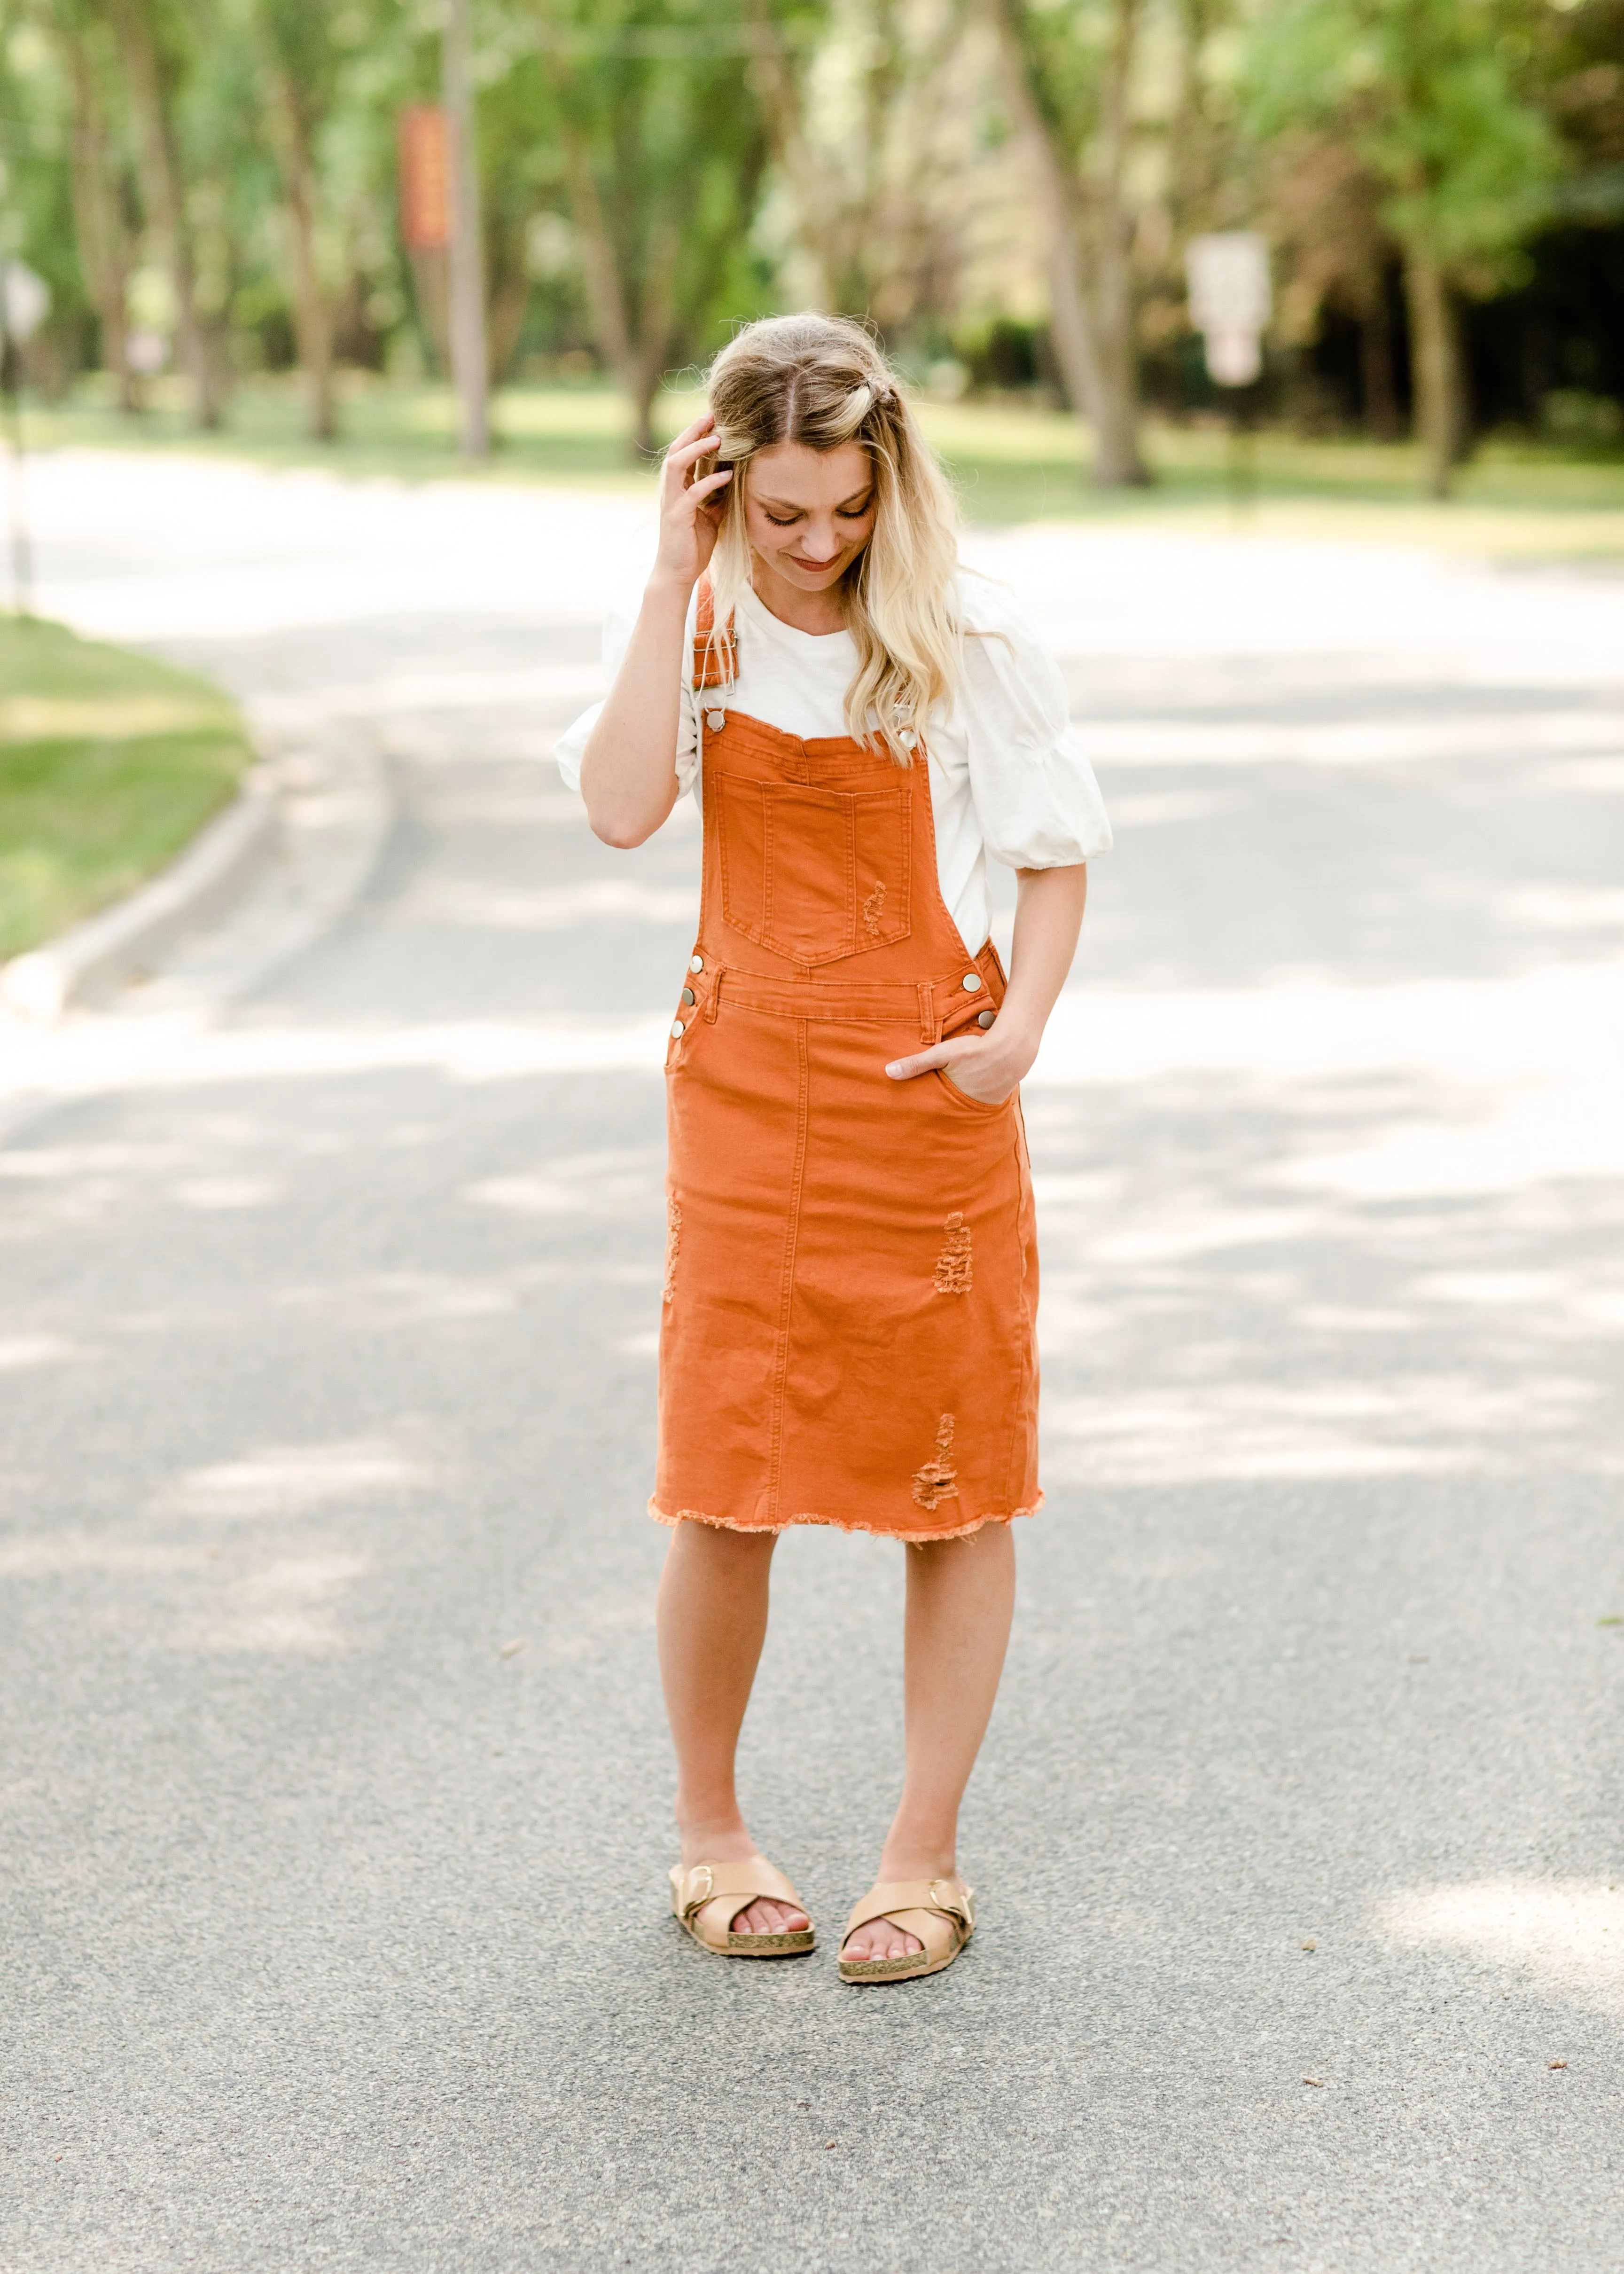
1034 792
570 747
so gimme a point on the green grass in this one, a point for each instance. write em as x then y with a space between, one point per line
108 763
1514 499
573 435
1012 464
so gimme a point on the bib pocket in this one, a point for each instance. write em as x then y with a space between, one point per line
814 874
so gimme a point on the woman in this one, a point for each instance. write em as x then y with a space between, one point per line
851 1281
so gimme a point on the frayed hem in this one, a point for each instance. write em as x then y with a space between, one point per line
839 1524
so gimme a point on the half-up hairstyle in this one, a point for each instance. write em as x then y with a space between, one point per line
820 380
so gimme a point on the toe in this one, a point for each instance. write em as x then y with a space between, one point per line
769 1917
883 1940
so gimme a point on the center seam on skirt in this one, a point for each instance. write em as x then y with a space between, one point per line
792 1231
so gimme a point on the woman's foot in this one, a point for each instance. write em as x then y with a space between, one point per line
883 1937
711 1845
764 1916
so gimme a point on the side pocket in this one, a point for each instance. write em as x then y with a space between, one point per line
962 1097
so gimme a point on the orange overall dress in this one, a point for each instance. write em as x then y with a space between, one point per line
851 1291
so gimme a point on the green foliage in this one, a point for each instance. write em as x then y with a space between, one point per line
654 171
1439 98
36 207
1071 42
664 151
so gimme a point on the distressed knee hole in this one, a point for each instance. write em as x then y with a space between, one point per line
954 1264
938 1479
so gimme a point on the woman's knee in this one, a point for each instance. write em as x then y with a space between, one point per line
722 1547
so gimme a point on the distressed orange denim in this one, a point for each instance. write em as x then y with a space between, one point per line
848 1327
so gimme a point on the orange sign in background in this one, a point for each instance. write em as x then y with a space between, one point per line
425 178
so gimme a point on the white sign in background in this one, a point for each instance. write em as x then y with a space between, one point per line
1229 301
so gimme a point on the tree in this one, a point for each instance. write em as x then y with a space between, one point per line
1321 208
1434 97
38 147
521 175
152 42
663 152
867 103
302 62
97 174
1067 75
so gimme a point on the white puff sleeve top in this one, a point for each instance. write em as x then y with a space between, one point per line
1008 777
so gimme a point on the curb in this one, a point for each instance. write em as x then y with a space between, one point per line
88 963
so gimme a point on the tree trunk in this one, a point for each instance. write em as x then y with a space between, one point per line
470 353
166 194
312 310
511 300
1094 350
637 351
644 441
104 248
1382 419
604 294
1118 462
1437 377
657 319
432 288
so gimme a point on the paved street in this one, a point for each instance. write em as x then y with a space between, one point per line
334 1783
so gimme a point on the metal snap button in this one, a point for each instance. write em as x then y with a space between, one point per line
716 720
677 1030
696 963
689 995
971 982
985 1017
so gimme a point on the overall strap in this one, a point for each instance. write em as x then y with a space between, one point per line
716 662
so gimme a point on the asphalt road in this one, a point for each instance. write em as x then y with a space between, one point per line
333 1777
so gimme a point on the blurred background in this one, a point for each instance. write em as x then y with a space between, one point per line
242 208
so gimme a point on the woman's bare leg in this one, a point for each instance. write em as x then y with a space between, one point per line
961 1597
712 1622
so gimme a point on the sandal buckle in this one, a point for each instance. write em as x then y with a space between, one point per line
959 1907
694 1900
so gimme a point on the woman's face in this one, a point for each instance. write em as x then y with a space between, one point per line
809 513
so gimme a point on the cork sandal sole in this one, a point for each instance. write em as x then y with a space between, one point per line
896 1970
694 1890
940 1914
756 1945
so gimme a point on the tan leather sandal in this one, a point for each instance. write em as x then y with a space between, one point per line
938 1913
697 1903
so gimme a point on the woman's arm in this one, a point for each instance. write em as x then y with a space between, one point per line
628 775
1048 916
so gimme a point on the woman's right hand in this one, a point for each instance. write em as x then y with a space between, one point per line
690 505
627 777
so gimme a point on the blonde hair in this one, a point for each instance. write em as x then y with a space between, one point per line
820 380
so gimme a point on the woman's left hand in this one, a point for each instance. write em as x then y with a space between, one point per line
987 1068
